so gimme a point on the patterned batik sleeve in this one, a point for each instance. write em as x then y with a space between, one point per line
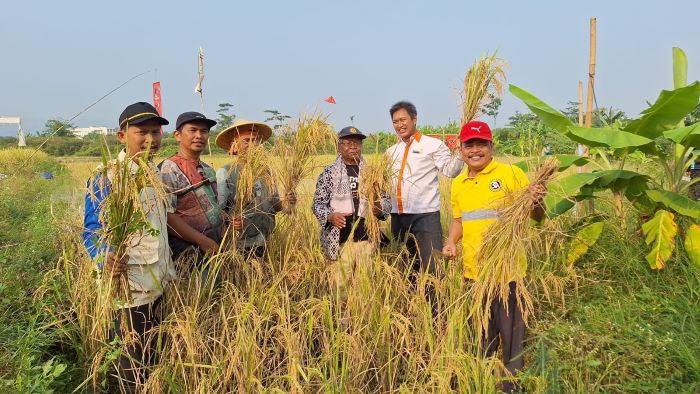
321 205
386 206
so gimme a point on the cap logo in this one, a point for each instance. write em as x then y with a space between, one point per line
478 129
353 130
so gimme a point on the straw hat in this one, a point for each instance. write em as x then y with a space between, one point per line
226 137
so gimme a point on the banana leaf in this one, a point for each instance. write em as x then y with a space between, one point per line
692 244
607 138
549 116
688 136
584 239
565 161
675 201
680 68
670 108
563 193
660 233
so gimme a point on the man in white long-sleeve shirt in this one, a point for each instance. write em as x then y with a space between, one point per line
417 160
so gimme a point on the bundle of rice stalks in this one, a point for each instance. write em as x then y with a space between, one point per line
302 141
484 82
501 256
375 181
254 169
122 210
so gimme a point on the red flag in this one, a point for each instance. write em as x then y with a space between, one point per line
330 99
157 99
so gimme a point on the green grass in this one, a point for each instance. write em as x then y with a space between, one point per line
627 329
28 248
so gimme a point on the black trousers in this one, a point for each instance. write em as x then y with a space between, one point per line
132 367
422 233
508 330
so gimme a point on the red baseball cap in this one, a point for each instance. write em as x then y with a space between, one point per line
475 129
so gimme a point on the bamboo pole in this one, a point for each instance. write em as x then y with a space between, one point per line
581 150
580 103
591 80
591 75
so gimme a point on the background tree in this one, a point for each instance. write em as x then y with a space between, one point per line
526 135
571 111
491 109
58 128
225 119
277 117
609 116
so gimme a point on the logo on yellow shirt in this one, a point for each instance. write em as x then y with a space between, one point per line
495 185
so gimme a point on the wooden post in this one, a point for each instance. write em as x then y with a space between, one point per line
580 209
591 76
580 103
589 98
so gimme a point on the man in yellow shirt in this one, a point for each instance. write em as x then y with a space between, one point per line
477 195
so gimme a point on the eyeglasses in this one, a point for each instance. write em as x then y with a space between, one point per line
349 143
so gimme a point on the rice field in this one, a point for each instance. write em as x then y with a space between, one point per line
606 324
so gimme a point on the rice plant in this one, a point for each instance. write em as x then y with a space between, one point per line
483 82
295 149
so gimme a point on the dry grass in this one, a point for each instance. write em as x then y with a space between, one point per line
10 159
275 325
483 82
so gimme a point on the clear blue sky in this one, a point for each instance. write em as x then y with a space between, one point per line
60 56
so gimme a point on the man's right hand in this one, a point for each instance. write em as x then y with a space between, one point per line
449 251
337 219
113 266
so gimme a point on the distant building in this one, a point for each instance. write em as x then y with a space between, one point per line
81 132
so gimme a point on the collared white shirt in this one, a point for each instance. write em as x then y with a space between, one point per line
416 166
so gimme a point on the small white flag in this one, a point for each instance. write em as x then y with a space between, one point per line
200 72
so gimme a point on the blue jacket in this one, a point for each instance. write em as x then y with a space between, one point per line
97 190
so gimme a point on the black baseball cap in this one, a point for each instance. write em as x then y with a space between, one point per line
138 113
351 131
186 117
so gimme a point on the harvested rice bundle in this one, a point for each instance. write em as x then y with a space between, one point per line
122 210
375 180
484 82
253 167
500 258
295 157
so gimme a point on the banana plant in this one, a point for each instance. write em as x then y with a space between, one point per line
663 196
